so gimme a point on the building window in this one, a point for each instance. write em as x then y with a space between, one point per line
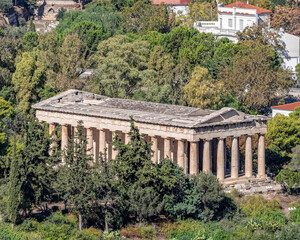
230 23
241 24
220 23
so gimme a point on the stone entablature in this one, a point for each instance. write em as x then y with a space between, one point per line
193 138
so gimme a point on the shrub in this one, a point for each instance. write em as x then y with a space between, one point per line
295 215
6 234
131 232
29 225
290 232
148 232
257 204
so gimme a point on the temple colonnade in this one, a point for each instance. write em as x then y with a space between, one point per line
208 155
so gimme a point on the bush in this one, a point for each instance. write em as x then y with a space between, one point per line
6 234
148 232
256 205
29 225
183 229
290 232
295 215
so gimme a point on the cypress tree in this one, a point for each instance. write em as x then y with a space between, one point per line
14 187
75 176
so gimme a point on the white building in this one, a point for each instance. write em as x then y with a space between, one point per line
285 109
179 7
237 16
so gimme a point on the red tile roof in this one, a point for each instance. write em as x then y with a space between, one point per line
171 2
288 107
248 6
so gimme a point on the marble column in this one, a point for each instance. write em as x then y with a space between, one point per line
114 152
53 136
127 138
221 159
194 157
154 147
180 153
102 142
64 136
248 157
90 142
207 158
261 157
235 158
186 159
167 146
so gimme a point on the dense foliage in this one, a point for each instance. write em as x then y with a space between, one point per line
139 51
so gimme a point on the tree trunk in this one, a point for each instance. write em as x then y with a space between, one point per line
12 226
79 222
106 223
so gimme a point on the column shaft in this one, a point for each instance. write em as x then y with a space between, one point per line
261 157
221 159
167 146
114 152
180 153
127 138
207 156
89 136
186 159
194 158
248 157
154 149
102 141
235 158
53 136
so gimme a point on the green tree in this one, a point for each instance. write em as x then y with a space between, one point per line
75 178
90 34
295 162
200 11
203 92
209 196
255 77
142 18
30 40
121 66
284 132
144 202
289 179
14 187
36 173
27 81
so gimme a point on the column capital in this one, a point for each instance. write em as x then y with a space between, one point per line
207 139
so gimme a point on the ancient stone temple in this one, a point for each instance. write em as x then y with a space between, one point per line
193 138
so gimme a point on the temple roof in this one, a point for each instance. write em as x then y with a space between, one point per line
89 104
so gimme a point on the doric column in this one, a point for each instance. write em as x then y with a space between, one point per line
248 157
235 158
154 147
186 159
102 140
52 134
221 159
114 152
90 141
127 138
194 157
261 156
207 156
167 146
180 153
64 136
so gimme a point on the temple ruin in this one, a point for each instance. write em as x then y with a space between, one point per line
193 138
